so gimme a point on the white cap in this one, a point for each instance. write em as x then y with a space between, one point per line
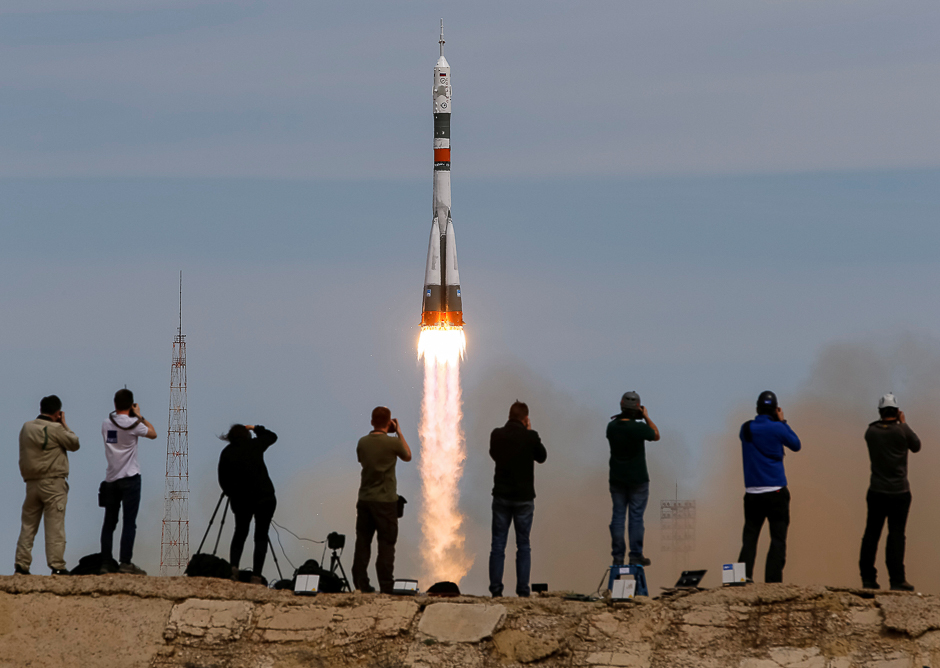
888 401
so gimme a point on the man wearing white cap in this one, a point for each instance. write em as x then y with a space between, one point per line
889 493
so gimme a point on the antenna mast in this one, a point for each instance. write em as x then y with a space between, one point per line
174 543
441 40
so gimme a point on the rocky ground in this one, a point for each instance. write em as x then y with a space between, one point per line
123 620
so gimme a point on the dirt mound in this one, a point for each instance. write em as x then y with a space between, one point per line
122 620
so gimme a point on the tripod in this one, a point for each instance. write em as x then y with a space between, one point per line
211 520
334 565
219 537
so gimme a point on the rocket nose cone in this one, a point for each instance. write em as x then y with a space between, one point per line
442 62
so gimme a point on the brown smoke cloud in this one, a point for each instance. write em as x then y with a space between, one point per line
828 478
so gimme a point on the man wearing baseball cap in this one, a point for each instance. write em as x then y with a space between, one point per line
629 477
889 493
766 495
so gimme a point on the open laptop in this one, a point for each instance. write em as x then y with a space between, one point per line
690 579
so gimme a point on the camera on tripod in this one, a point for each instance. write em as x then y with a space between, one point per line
336 541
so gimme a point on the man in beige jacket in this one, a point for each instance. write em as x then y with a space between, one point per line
44 465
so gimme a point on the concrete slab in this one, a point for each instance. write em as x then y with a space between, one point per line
461 622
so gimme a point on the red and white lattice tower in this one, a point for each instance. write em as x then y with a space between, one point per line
174 545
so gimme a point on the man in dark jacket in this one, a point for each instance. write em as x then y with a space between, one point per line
515 448
889 493
244 478
629 477
766 495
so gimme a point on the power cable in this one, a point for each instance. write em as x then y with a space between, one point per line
277 533
309 540
597 592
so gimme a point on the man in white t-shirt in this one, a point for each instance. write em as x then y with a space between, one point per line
121 486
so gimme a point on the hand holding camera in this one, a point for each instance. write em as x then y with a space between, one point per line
393 426
135 410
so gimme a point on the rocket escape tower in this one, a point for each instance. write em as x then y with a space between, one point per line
174 544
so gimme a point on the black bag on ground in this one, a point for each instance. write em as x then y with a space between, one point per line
208 566
95 564
329 583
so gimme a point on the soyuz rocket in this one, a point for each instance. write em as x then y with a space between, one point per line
441 306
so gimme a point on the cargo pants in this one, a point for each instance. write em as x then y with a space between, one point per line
45 500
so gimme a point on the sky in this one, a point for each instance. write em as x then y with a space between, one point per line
694 201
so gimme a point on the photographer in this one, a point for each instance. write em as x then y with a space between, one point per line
889 494
515 448
629 478
378 507
766 495
244 478
44 465
121 486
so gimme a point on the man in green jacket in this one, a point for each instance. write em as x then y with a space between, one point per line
629 477
44 465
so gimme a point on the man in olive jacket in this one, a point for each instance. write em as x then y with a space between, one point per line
44 465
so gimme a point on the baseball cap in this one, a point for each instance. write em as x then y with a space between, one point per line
630 400
766 403
888 401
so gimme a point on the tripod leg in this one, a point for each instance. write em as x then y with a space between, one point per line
273 554
221 524
214 512
336 563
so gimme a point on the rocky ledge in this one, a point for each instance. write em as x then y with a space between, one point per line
122 620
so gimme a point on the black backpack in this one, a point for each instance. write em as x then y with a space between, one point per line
329 583
208 566
95 564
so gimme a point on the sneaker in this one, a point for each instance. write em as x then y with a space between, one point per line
902 586
235 573
640 561
19 570
870 584
749 581
257 580
367 589
65 571
131 569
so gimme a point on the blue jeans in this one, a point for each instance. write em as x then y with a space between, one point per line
124 492
507 512
636 498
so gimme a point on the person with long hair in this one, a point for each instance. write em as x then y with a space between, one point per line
244 478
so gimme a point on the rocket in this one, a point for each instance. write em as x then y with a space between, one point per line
442 305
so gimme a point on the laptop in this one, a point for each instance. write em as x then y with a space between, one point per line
690 579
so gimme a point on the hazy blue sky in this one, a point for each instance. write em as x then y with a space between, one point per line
688 200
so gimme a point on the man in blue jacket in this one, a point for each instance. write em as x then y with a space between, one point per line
767 496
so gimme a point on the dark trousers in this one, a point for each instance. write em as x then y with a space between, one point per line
124 492
375 517
519 514
775 508
894 509
263 512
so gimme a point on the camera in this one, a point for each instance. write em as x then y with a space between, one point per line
336 541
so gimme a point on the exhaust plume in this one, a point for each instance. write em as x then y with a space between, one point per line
443 453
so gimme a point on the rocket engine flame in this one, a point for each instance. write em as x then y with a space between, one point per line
443 452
